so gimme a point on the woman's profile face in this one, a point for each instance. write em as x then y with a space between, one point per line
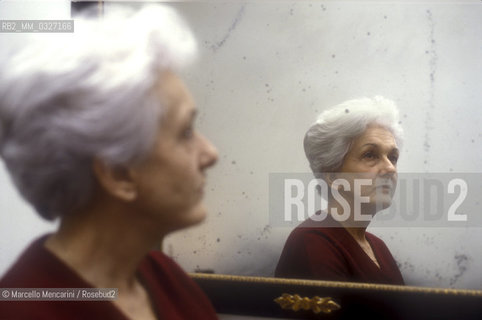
373 156
171 180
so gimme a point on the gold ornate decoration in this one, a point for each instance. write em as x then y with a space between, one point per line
335 284
315 304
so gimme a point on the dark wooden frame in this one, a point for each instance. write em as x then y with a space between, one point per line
254 296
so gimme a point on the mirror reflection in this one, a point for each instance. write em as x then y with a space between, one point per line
353 149
268 70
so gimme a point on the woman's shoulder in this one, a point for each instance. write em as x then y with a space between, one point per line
375 241
324 230
37 267
313 238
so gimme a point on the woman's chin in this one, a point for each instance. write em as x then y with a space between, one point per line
195 216
382 203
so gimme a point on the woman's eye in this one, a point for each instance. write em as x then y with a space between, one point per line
394 159
369 155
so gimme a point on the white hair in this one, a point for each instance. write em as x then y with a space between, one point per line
67 99
329 139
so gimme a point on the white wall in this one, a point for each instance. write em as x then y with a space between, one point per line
266 69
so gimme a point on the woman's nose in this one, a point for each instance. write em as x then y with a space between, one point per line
387 166
209 153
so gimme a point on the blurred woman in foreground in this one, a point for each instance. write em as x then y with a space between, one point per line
98 130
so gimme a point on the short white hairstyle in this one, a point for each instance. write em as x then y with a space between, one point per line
68 99
329 139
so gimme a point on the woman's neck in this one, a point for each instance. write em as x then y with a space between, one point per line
354 227
105 245
357 233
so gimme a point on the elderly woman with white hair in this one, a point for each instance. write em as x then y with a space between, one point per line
96 129
356 140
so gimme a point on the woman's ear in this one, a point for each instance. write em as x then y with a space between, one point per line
118 181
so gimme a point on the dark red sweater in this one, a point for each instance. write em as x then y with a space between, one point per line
173 293
314 251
